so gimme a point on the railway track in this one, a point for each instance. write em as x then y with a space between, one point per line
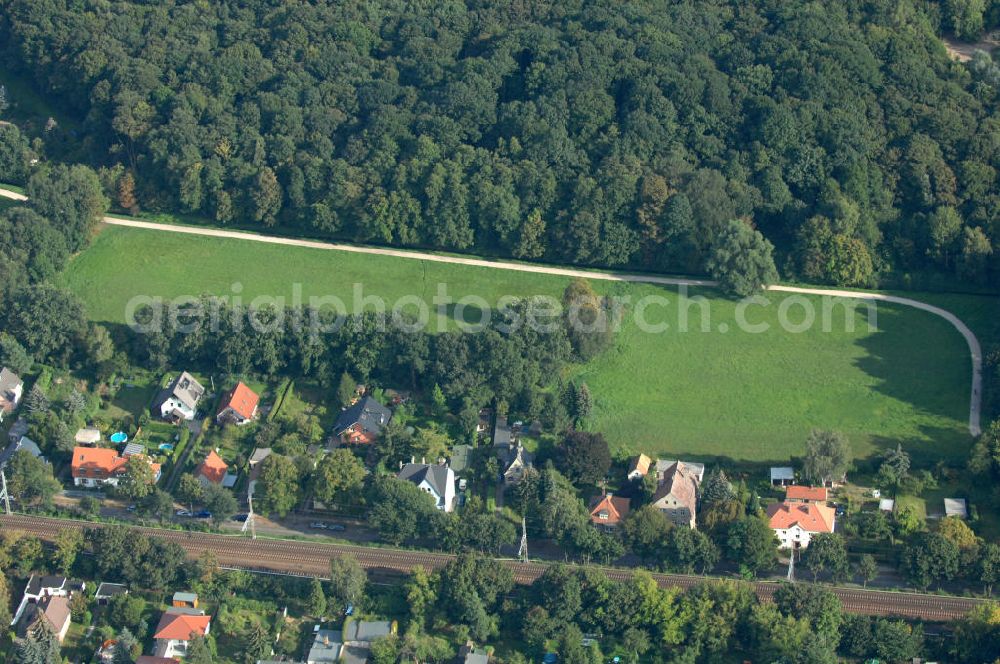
305 558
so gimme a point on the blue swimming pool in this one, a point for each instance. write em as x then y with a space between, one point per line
166 447
119 437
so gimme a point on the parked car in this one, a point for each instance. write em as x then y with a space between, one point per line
182 513
318 525
131 508
241 517
336 527
204 514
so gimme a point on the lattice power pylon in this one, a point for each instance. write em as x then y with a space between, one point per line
249 523
3 492
522 552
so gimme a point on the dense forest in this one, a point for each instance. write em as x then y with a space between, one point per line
624 133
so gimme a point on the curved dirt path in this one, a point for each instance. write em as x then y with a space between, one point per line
975 350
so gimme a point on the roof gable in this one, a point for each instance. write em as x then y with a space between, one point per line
811 517
367 412
242 400
181 626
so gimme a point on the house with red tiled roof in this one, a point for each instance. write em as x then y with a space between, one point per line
238 406
211 469
806 494
609 511
796 523
176 628
97 466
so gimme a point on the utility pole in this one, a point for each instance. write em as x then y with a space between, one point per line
791 566
249 522
3 491
522 552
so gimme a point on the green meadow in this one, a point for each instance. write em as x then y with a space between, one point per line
724 392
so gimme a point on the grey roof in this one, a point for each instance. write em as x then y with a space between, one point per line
9 381
477 657
325 648
22 443
187 390
367 412
502 436
460 457
259 454
782 473
185 597
509 455
36 583
111 589
18 429
355 655
436 476
133 448
362 630
955 507
87 435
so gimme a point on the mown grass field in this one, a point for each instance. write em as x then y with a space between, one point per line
731 394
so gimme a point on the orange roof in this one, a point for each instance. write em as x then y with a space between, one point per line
180 626
213 468
615 507
811 517
149 659
96 461
640 464
806 493
242 400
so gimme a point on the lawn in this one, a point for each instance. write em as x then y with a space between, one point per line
723 393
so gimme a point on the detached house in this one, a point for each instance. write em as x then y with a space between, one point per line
176 628
677 494
40 588
609 511
212 470
363 422
52 609
514 461
796 523
178 402
238 406
11 391
98 466
805 494
437 481
22 443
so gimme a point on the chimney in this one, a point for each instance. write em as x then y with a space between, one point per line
326 640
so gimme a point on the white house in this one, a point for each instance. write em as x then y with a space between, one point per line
796 523
11 391
40 587
438 481
179 400
176 628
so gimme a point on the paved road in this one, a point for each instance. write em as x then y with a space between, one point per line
312 558
975 349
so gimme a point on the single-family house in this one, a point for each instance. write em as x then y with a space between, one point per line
326 646
98 466
212 469
638 467
437 481
11 391
39 587
677 493
254 466
514 461
176 628
184 600
53 609
108 591
806 494
796 523
666 466
782 475
502 434
23 443
609 511
363 632
362 422
178 402
87 436
238 406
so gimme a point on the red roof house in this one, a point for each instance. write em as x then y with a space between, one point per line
92 466
238 406
796 523
609 511
806 494
176 628
212 469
